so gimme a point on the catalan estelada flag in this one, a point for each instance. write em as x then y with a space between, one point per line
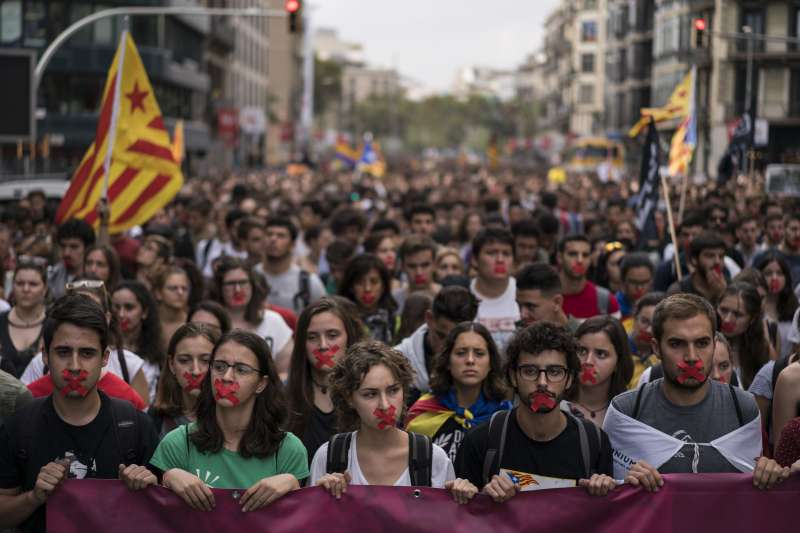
371 159
677 107
131 159
685 138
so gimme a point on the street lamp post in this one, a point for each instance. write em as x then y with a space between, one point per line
137 11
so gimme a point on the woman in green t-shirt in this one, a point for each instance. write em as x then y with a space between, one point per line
237 441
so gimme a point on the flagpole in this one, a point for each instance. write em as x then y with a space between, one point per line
102 206
671 222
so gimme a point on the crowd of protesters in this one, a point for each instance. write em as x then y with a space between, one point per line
454 329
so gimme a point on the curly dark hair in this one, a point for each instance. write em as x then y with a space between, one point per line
539 337
787 303
348 374
264 434
495 386
300 387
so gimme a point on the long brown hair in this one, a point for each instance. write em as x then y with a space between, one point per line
254 312
264 434
169 399
623 371
300 387
494 386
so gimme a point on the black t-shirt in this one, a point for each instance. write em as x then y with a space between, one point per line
319 430
94 448
449 437
559 457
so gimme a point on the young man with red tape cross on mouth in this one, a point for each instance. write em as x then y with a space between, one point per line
686 422
537 437
77 432
582 298
708 277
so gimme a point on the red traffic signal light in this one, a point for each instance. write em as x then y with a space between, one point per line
700 24
292 6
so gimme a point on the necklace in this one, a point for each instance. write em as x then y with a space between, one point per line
594 412
322 388
27 325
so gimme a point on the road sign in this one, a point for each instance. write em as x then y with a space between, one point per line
16 95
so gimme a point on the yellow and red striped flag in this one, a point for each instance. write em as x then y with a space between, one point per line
132 142
677 106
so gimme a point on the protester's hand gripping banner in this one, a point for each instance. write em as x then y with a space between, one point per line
687 502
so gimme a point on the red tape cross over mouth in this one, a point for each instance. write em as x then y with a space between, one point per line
687 371
542 401
74 382
223 391
386 417
193 382
325 358
588 374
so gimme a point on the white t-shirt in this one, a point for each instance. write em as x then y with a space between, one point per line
35 368
500 314
274 330
441 468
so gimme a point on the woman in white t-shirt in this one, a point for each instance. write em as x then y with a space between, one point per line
243 292
368 390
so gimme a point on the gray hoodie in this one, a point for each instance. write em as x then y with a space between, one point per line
413 348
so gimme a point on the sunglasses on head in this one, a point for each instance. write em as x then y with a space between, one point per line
28 260
613 246
85 284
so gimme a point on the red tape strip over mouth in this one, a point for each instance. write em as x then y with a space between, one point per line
420 280
325 358
368 298
500 268
386 417
578 269
193 382
774 285
645 337
224 391
718 270
238 298
728 327
74 382
638 293
588 374
693 371
542 402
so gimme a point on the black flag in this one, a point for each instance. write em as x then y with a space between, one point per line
649 183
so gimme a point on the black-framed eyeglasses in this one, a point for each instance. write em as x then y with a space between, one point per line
240 369
553 373
234 283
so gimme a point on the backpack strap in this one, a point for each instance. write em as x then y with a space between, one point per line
206 250
656 372
587 450
736 404
636 406
338 452
497 443
28 421
603 298
303 296
420 460
123 365
126 430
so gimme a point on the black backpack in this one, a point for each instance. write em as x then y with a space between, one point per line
31 426
303 296
420 457
498 429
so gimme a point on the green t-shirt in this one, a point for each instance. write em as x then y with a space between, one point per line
227 469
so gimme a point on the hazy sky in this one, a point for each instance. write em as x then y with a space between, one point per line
429 40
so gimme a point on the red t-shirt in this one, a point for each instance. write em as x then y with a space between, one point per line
584 304
287 315
108 383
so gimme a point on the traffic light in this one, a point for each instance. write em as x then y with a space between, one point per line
293 8
699 33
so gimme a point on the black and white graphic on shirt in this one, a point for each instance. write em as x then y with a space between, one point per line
77 469
450 442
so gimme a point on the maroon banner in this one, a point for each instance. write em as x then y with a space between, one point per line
708 503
